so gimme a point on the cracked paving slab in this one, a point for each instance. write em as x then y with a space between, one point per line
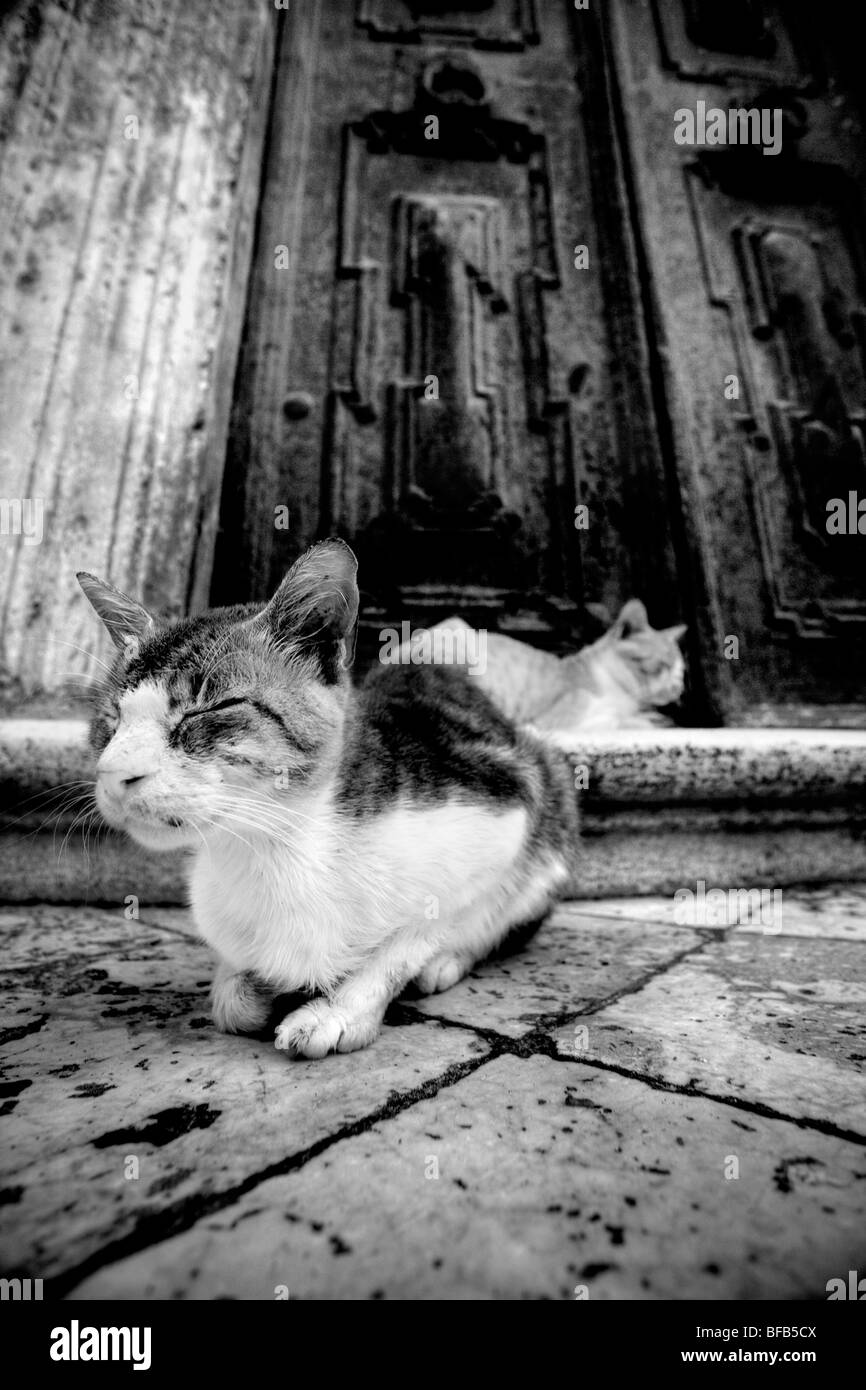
574 963
532 1178
767 1020
109 1034
833 911
110 1055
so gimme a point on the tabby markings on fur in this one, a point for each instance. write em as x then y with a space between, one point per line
342 841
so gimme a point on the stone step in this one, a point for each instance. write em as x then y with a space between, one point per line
661 810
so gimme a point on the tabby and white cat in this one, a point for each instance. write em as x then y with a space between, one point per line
618 682
345 842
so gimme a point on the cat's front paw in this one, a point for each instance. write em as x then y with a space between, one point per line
238 1004
319 1028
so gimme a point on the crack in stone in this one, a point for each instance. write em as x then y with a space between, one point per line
536 1042
554 1020
560 1020
753 1107
153 1229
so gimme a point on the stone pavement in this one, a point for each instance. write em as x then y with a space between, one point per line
629 1109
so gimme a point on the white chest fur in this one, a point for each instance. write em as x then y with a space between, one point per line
305 908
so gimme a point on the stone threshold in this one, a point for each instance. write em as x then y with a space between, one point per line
661 809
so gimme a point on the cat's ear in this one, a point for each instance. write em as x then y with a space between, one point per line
632 618
317 604
128 623
675 633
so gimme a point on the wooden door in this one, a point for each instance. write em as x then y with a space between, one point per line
490 290
757 276
430 369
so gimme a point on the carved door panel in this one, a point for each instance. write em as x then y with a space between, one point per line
759 276
426 371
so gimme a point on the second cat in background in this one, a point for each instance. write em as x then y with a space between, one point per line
621 681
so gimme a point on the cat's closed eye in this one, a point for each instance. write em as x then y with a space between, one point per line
197 711
199 729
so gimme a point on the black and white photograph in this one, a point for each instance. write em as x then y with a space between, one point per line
433 662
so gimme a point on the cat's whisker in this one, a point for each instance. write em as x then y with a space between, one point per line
222 826
234 813
61 789
101 830
91 822
277 834
78 678
202 838
77 806
54 814
76 822
277 808
253 828
249 817
281 819
75 646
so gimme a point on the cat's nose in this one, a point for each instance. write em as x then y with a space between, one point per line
117 784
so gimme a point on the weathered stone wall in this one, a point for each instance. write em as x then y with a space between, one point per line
131 139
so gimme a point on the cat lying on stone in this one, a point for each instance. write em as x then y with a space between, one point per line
619 682
342 842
